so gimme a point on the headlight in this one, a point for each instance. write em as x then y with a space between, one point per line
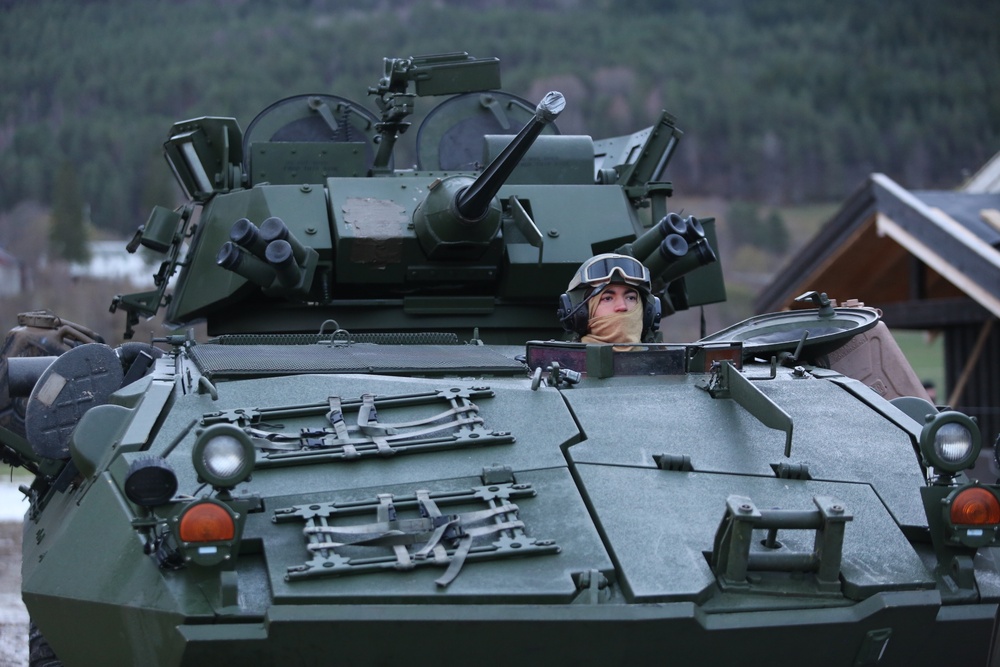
150 482
950 441
223 456
953 442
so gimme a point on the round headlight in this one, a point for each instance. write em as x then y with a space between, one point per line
223 456
950 441
150 482
953 442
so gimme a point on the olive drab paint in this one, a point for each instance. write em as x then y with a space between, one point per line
389 451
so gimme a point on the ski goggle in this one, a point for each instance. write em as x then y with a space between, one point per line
602 269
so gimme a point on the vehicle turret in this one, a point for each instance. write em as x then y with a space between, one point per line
304 218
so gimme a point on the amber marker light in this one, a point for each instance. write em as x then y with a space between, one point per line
972 515
975 506
206 522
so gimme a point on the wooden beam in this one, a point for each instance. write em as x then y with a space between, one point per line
932 313
991 216
933 258
956 394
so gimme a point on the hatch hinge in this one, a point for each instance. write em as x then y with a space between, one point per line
592 586
557 377
675 462
791 470
498 475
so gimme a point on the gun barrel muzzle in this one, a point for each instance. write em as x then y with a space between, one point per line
671 250
246 235
234 258
281 256
693 231
275 229
654 236
699 254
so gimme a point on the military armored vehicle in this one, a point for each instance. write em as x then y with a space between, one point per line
386 450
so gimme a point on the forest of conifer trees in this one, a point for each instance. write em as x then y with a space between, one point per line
781 101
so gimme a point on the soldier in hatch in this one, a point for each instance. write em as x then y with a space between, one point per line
609 301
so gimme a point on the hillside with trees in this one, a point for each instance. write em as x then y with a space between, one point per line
782 102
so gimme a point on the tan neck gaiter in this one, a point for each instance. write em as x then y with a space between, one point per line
614 328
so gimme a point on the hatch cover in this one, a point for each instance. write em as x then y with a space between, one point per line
660 525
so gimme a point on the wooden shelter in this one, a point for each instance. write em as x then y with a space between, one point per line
929 260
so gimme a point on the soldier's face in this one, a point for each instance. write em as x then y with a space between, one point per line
616 299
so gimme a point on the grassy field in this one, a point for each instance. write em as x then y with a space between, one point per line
926 354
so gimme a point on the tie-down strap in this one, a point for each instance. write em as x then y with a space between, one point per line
431 538
346 429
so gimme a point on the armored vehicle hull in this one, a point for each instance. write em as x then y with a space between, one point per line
607 518
435 474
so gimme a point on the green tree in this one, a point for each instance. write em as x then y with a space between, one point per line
776 234
158 186
780 101
68 231
747 227
743 221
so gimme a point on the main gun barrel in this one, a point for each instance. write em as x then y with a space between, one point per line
474 201
459 218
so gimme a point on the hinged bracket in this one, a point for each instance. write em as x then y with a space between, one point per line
727 382
732 557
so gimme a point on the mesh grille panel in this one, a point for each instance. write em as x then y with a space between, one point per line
409 338
213 359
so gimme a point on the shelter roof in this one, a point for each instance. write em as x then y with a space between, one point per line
926 258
